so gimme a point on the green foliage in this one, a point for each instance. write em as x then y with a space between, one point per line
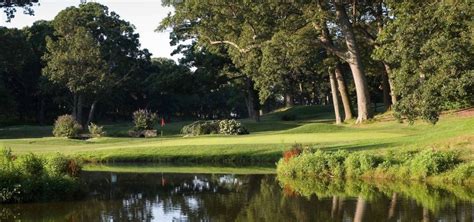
66 126
356 164
318 164
61 165
6 159
430 47
399 165
76 63
144 120
459 173
201 128
32 178
231 127
226 127
427 163
96 130
32 165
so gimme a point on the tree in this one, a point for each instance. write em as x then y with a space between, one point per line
75 61
117 44
45 91
335 12
241 27
10 6
431 48
16 76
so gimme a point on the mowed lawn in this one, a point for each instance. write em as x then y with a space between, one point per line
267 139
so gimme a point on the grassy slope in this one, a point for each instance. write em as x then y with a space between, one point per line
266 142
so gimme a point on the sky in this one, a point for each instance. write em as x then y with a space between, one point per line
145 15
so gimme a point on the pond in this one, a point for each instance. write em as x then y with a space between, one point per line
152 196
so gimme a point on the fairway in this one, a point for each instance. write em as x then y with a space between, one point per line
263 143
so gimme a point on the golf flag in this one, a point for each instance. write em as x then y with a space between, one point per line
162 122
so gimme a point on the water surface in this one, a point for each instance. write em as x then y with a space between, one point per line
129 196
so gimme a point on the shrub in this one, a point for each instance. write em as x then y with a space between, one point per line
428 162
61 165
460 173
144 120
66 126
232 127
356 164
319 164
32 165
400 165
58 165
288 117
201 128
96 130
35 179
6 159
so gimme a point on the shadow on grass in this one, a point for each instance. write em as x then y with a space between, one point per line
360 147
23 132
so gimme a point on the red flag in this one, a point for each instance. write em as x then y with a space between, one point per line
162 122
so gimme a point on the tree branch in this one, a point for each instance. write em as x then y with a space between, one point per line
327 43
366 34
233 44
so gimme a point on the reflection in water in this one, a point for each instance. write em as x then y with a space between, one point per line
212 197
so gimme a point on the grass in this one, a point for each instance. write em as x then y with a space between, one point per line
160 168
267 141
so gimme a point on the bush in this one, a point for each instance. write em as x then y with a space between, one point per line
399 165
232 127
61 165
201 128
460 173
96 130
32 165
428 162
356 164
66 126
227 127
144 120
32 178
318 164
6 159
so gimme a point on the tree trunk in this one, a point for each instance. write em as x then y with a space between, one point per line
360 210
91 112
335 100
252 101
354 60
388 70
74 106
343 92
386 92
289 99
79 110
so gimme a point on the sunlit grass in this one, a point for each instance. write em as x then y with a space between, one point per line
267 139
160 168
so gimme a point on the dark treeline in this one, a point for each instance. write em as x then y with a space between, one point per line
242 59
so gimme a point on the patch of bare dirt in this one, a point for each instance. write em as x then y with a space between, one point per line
466 112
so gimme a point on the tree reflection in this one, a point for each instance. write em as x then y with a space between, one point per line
201 197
